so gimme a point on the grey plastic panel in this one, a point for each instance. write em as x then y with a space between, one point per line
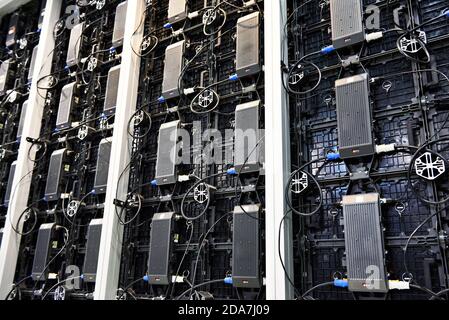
73 50
92 250
246 247
101 174
22 119
167 153
32 64
248 45
12 171
4 72
54 175
42 252
365 250
355 133
119 24
110 100
247 135
66 102
160 248
177 10
174 62
347 23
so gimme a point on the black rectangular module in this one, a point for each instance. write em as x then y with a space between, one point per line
119 24
174 62
1 236
54 175
75 41
11 37
248 45
32 64
354 120
177 10
167 153
22 119
42 252
102 168
4 73
247 151
92 250
66 102
110 100
364 243
246 247
347 23
12 171
160 248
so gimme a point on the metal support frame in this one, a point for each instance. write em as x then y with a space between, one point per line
277 158
32 125
112 231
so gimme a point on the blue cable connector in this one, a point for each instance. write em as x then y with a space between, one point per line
146 278
328 49
341 283
231 172
228 280
233 77
333 156
161 99
168 25
154 183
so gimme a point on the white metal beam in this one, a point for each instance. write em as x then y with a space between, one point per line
32 126
277 158
112 231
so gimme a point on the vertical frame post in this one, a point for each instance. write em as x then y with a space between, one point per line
277 158
9 250
112 231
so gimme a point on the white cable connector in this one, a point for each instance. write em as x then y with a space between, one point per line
249 3
374 36
183 178
398 285
189 91
385 148
177 279
193 15
178 32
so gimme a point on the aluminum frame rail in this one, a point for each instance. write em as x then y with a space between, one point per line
112 231
9 250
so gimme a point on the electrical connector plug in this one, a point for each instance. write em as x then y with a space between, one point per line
228 280
327 50
333 156
385 148
374 36
341 283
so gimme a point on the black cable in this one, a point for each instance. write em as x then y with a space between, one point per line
318 286
439 294
199 252
199 285
280 256
15 286
206 206
413 234
303 61
128 287
287 189
189 226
